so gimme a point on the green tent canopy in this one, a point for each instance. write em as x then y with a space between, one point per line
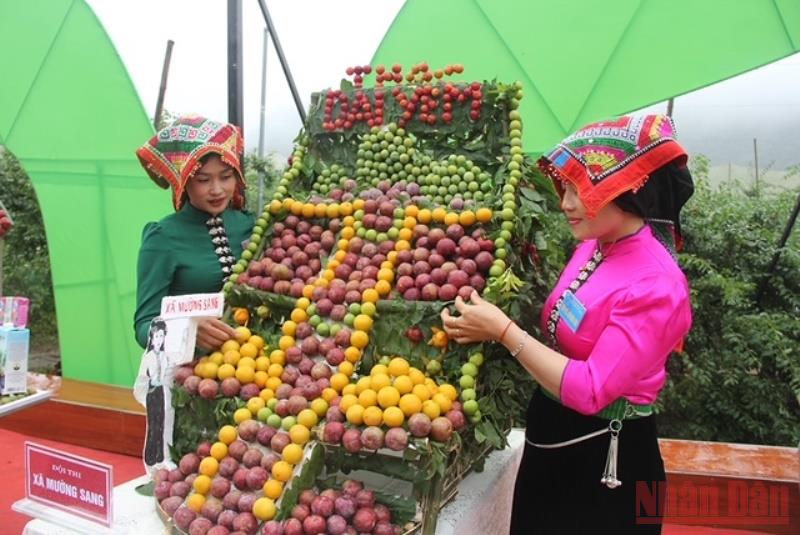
585 60
69 112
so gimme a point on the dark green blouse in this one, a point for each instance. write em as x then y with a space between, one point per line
177 257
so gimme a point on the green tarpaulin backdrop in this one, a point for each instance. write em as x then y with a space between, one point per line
69 112
584 60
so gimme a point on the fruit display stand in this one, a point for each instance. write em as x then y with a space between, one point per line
398 198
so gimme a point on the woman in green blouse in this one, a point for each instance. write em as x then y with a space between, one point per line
194 249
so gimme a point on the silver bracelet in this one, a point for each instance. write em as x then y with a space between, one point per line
521 344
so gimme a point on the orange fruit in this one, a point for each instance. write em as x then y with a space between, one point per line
359 339
299 434
347 367
302 302
424 216
362 322
257 341
273 383
245 374
379 368
243 334
299 315
308 210
275 370
247 362
347 401
308 418
416 376
370 295
264 508
292 453
231 357
339 381
364 383
289 327
352 354
449 391
373 416
349 389
451 218
422 392
443 401
320 406
255 404
262 364
403 384
398 366
216 358
240 415
219 450
404 235
466 218
332 210
225 371
266 394
438 214
329 394
320 210
209 466
241 316
282 471
393 417
483 215
410 404
195 502
388 396
383 288
202 484
296 208
431 409
260 379
277 357
308 291
368 398
286 342
378 381
409 222
412 210
228 346
227 434
355 415
358 204
348 232
273 489
386 274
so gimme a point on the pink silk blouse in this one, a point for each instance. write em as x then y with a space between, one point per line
637 313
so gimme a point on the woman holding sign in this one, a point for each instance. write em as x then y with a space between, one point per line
619 309
194 249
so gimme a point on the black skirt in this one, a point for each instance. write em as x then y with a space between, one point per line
559 490
154 440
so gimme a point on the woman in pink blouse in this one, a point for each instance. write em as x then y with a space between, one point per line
619 309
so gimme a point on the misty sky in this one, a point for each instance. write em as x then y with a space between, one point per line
719 121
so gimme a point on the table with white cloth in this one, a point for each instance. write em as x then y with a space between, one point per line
482 504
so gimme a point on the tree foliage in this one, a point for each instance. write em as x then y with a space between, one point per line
26 268
739 378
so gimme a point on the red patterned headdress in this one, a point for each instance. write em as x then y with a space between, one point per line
172 156
606 159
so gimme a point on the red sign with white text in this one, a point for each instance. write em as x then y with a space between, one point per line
73 484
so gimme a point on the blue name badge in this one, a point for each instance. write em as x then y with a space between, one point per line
572 311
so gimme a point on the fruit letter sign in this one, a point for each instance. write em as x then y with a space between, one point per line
67 482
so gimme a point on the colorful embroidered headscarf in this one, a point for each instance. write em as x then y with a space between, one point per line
173 155
606 159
